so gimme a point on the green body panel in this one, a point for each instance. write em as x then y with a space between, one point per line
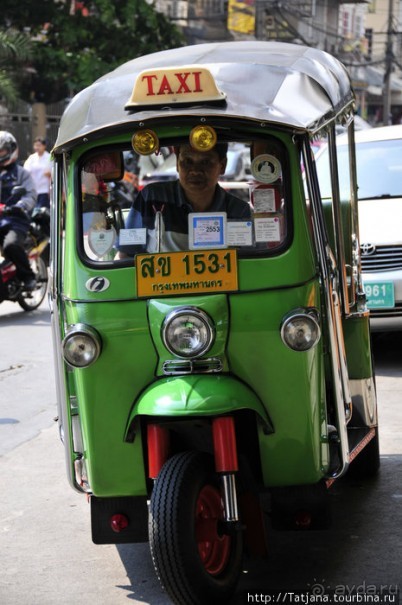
197 395
290 384
106 391
293 453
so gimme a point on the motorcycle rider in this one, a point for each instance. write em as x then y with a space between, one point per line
15 218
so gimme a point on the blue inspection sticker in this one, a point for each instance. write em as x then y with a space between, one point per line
207 230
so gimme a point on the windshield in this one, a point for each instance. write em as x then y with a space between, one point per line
379 170
234 196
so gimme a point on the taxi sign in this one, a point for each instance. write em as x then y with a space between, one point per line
176 273
190 84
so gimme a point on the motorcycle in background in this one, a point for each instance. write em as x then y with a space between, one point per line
36 246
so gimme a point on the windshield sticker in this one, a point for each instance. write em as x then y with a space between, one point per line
239 233
132 237
264 200
267 229
101 241
207 230
266 168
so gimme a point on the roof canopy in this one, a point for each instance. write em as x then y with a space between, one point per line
272 82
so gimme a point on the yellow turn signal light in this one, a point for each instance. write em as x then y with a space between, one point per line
203 138
145 142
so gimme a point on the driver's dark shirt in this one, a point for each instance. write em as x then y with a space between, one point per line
169 199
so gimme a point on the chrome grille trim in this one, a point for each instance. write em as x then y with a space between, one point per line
384 258
192 366
387 313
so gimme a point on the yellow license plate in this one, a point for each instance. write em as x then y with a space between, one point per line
177 273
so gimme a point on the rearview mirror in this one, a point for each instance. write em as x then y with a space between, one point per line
106 166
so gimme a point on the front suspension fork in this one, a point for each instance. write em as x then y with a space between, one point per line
225 453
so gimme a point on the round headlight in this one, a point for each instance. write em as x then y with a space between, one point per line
300 331
81 346
188 332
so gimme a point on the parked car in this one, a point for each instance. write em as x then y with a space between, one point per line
379 177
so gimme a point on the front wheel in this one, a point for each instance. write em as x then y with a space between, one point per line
31 300
195 561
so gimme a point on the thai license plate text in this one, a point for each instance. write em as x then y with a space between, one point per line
192 272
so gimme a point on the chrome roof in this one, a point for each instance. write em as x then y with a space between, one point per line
273 82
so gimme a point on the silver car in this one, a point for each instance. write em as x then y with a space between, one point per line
379 177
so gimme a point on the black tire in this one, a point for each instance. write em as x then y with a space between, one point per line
193 572
367 463
29 301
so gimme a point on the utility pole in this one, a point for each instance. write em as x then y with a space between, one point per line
389 57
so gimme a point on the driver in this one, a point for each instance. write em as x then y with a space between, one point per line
15 218
196 190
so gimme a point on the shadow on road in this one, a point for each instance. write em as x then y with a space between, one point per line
144 585
365 514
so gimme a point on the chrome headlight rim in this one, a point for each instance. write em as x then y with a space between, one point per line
306 314
197 313
77 330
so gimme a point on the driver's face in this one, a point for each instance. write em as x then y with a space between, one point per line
199 170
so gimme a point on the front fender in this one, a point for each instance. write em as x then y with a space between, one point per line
196 395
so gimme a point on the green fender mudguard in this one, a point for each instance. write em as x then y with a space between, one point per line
196 395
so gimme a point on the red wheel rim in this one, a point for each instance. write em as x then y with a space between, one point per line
213 548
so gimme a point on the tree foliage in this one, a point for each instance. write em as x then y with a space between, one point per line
76 42
14 52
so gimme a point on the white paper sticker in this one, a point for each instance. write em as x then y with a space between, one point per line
132 237
264 200
101 241
267 229
207 230
239 233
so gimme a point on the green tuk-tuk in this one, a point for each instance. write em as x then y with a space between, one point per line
209 356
